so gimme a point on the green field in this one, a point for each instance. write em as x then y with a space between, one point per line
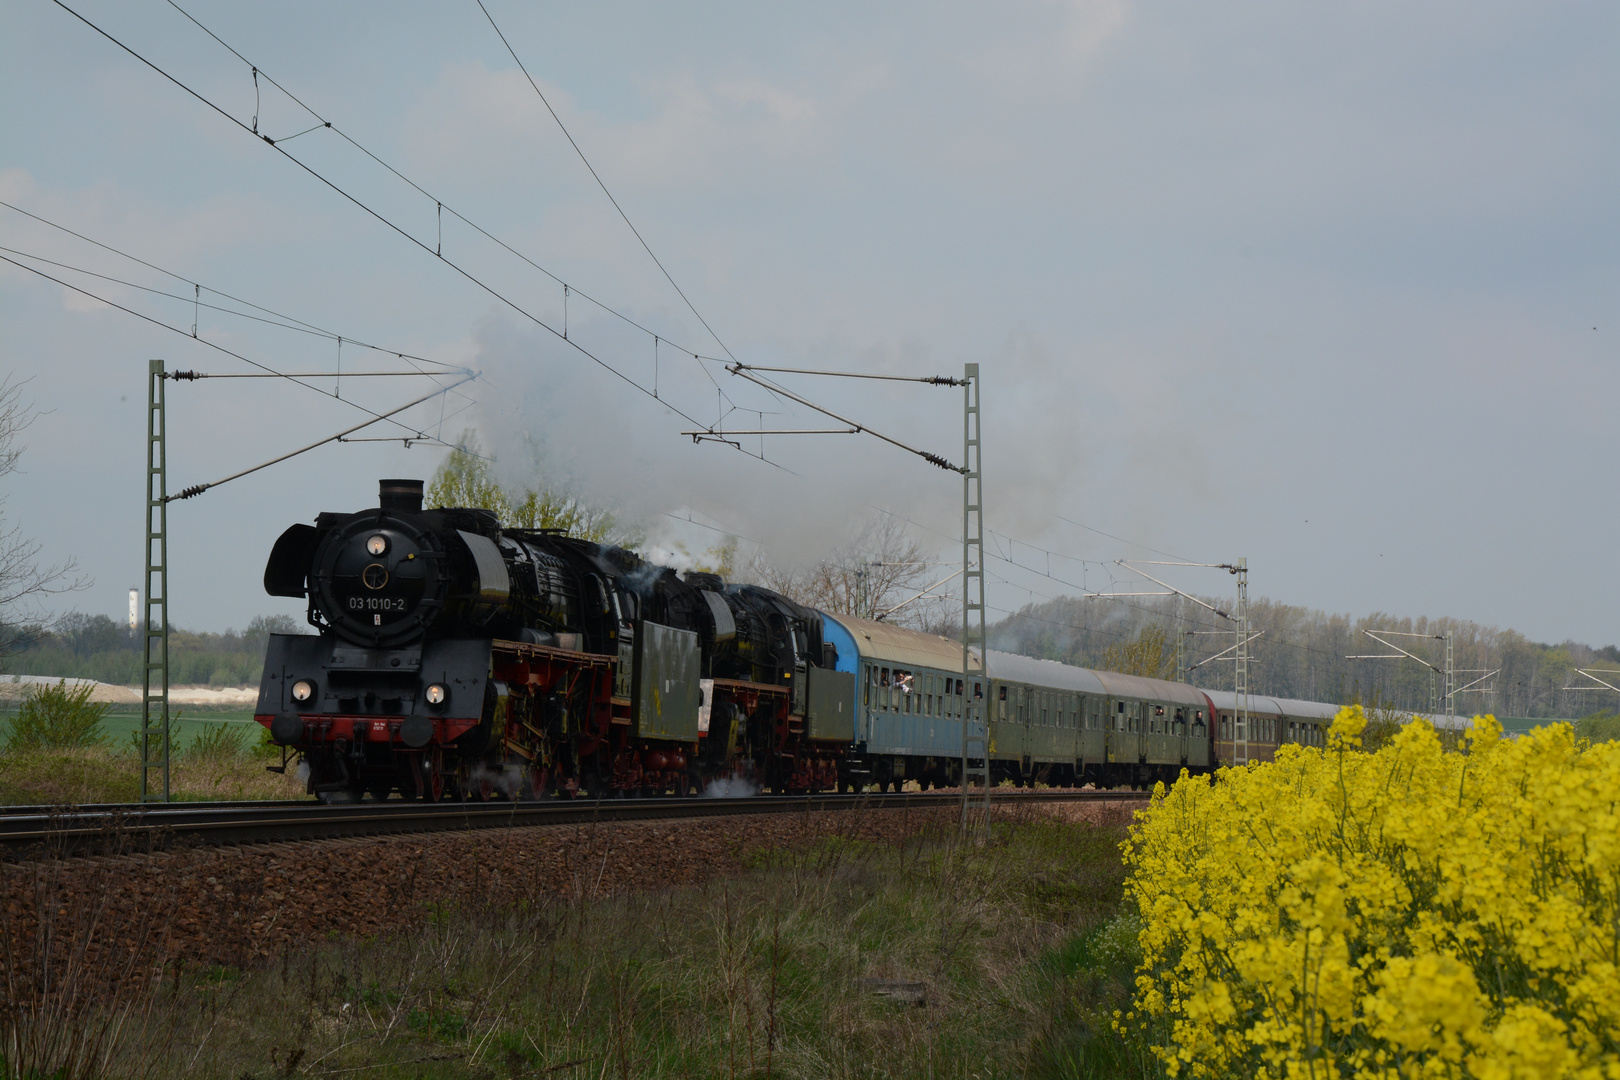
186 722
218 755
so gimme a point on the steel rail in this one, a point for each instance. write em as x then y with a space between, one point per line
137 826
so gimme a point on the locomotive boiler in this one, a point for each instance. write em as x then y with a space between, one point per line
457 658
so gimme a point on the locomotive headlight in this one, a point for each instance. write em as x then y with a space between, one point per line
303 690
436 694
377 546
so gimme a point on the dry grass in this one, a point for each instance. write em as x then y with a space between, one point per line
1014 946
97 774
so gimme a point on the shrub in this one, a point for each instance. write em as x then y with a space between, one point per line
55 717
1409 912
1599 727
174 740
219 741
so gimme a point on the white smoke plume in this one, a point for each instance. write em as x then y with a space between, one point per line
507 779
731 787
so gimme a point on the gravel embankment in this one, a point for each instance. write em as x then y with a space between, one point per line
236 905
252 903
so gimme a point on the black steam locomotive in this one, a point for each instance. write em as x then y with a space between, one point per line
457 658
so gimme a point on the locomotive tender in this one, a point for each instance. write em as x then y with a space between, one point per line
457 658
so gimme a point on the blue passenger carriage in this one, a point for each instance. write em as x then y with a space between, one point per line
910 700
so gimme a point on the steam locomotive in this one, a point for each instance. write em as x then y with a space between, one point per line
458 658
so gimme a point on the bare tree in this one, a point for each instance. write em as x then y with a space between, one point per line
881 574
25 582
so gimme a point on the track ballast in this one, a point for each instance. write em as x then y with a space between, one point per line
137 826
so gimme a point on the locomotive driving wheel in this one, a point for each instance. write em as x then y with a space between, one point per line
429 778
539 785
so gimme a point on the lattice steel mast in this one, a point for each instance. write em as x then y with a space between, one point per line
155 558
975 732
1240 681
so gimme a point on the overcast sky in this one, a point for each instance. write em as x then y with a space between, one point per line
1332 287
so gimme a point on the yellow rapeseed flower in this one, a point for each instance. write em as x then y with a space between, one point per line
1408 913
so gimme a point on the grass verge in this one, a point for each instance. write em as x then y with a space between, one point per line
207 768
841 959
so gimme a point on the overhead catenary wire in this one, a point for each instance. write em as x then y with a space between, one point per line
1121 539
279 319
689 520
193 376
599 183
931 380
417 434
991 553
362 205
244 315
932 459
440 207
286 321
197 489
436 249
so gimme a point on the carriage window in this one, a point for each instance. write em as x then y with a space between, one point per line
1043 718
1003 693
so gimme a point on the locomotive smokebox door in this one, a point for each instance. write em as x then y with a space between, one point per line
832 705
667 670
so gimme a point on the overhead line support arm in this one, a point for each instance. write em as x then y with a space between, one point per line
741 372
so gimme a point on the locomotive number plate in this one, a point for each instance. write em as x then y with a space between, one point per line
376 603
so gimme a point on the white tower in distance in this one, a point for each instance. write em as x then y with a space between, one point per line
134 608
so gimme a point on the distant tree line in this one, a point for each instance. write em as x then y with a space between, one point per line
82 646
1303 653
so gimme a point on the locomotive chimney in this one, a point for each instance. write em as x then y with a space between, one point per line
400 496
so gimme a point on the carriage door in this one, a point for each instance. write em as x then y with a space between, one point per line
1032 701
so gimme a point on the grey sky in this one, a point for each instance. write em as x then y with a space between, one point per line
1333 287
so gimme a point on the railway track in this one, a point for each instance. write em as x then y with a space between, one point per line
136 826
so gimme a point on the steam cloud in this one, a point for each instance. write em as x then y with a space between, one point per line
1051 440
